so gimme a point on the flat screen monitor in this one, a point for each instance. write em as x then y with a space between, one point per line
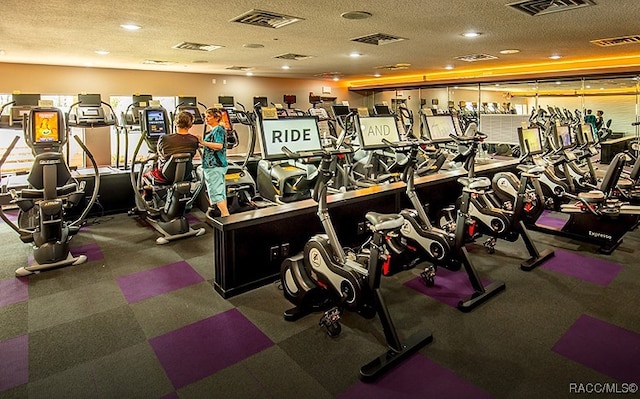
227 101
90 100
531 140
314 99
261 100
155 120
289 99
563 136
297 134
340 110
194 111
193 101
21 100
439 127
381 109
374 129
141 100
46 126
586 135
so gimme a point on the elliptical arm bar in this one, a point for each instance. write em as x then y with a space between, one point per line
96 184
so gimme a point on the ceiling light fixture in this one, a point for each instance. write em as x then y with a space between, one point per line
285 67
335 78
377 75
448 67
130 26
471 34
249 73
510 51
555 57
101 52
354 54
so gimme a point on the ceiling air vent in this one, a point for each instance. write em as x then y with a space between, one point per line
476 57
541 7
378 39
291 56
617 41
196 46
394 67
238 68
266 19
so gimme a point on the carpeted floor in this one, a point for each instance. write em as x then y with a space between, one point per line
139 320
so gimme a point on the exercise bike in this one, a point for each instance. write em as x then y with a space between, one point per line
325 278
485 217
42 218
419 241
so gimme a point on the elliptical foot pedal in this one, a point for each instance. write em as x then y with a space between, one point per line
391 358
294 314
478 298
532 263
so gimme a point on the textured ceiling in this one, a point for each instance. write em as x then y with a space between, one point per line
62 32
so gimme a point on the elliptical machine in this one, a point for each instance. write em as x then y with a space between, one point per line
164 204
324 277
51 191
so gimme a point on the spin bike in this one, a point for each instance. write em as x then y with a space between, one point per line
481 212
324 277
420 241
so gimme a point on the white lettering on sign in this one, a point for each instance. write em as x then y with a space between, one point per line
297 134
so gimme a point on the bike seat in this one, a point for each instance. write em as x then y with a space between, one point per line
384 221
475 183
593 196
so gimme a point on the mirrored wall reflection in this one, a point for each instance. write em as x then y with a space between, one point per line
500 107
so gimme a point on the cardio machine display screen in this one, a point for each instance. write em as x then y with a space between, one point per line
46 125
563 135
156 123
439 127
297 134
530 139
375 129
586 134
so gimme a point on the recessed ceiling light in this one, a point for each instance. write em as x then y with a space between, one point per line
356 15
449 67
130 26
249 73
471 34
102 52
587 87
510 51
354 54
285 67
555 57
377 74
335 78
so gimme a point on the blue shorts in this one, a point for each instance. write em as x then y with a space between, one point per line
216 187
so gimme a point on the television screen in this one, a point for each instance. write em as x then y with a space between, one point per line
156 122
381 109
530 139
188 101
586 134
289 99
439 127
227 101
261 100
22 100
90 100
141 100
297 134
46 126
563 136
374 129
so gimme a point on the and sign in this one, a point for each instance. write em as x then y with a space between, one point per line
375 129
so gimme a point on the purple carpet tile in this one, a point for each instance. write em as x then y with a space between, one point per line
92 251
604 347
549 221
12 216
14 290
160 280
192 219
14 362
594 270
449 287
205 347
416 378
